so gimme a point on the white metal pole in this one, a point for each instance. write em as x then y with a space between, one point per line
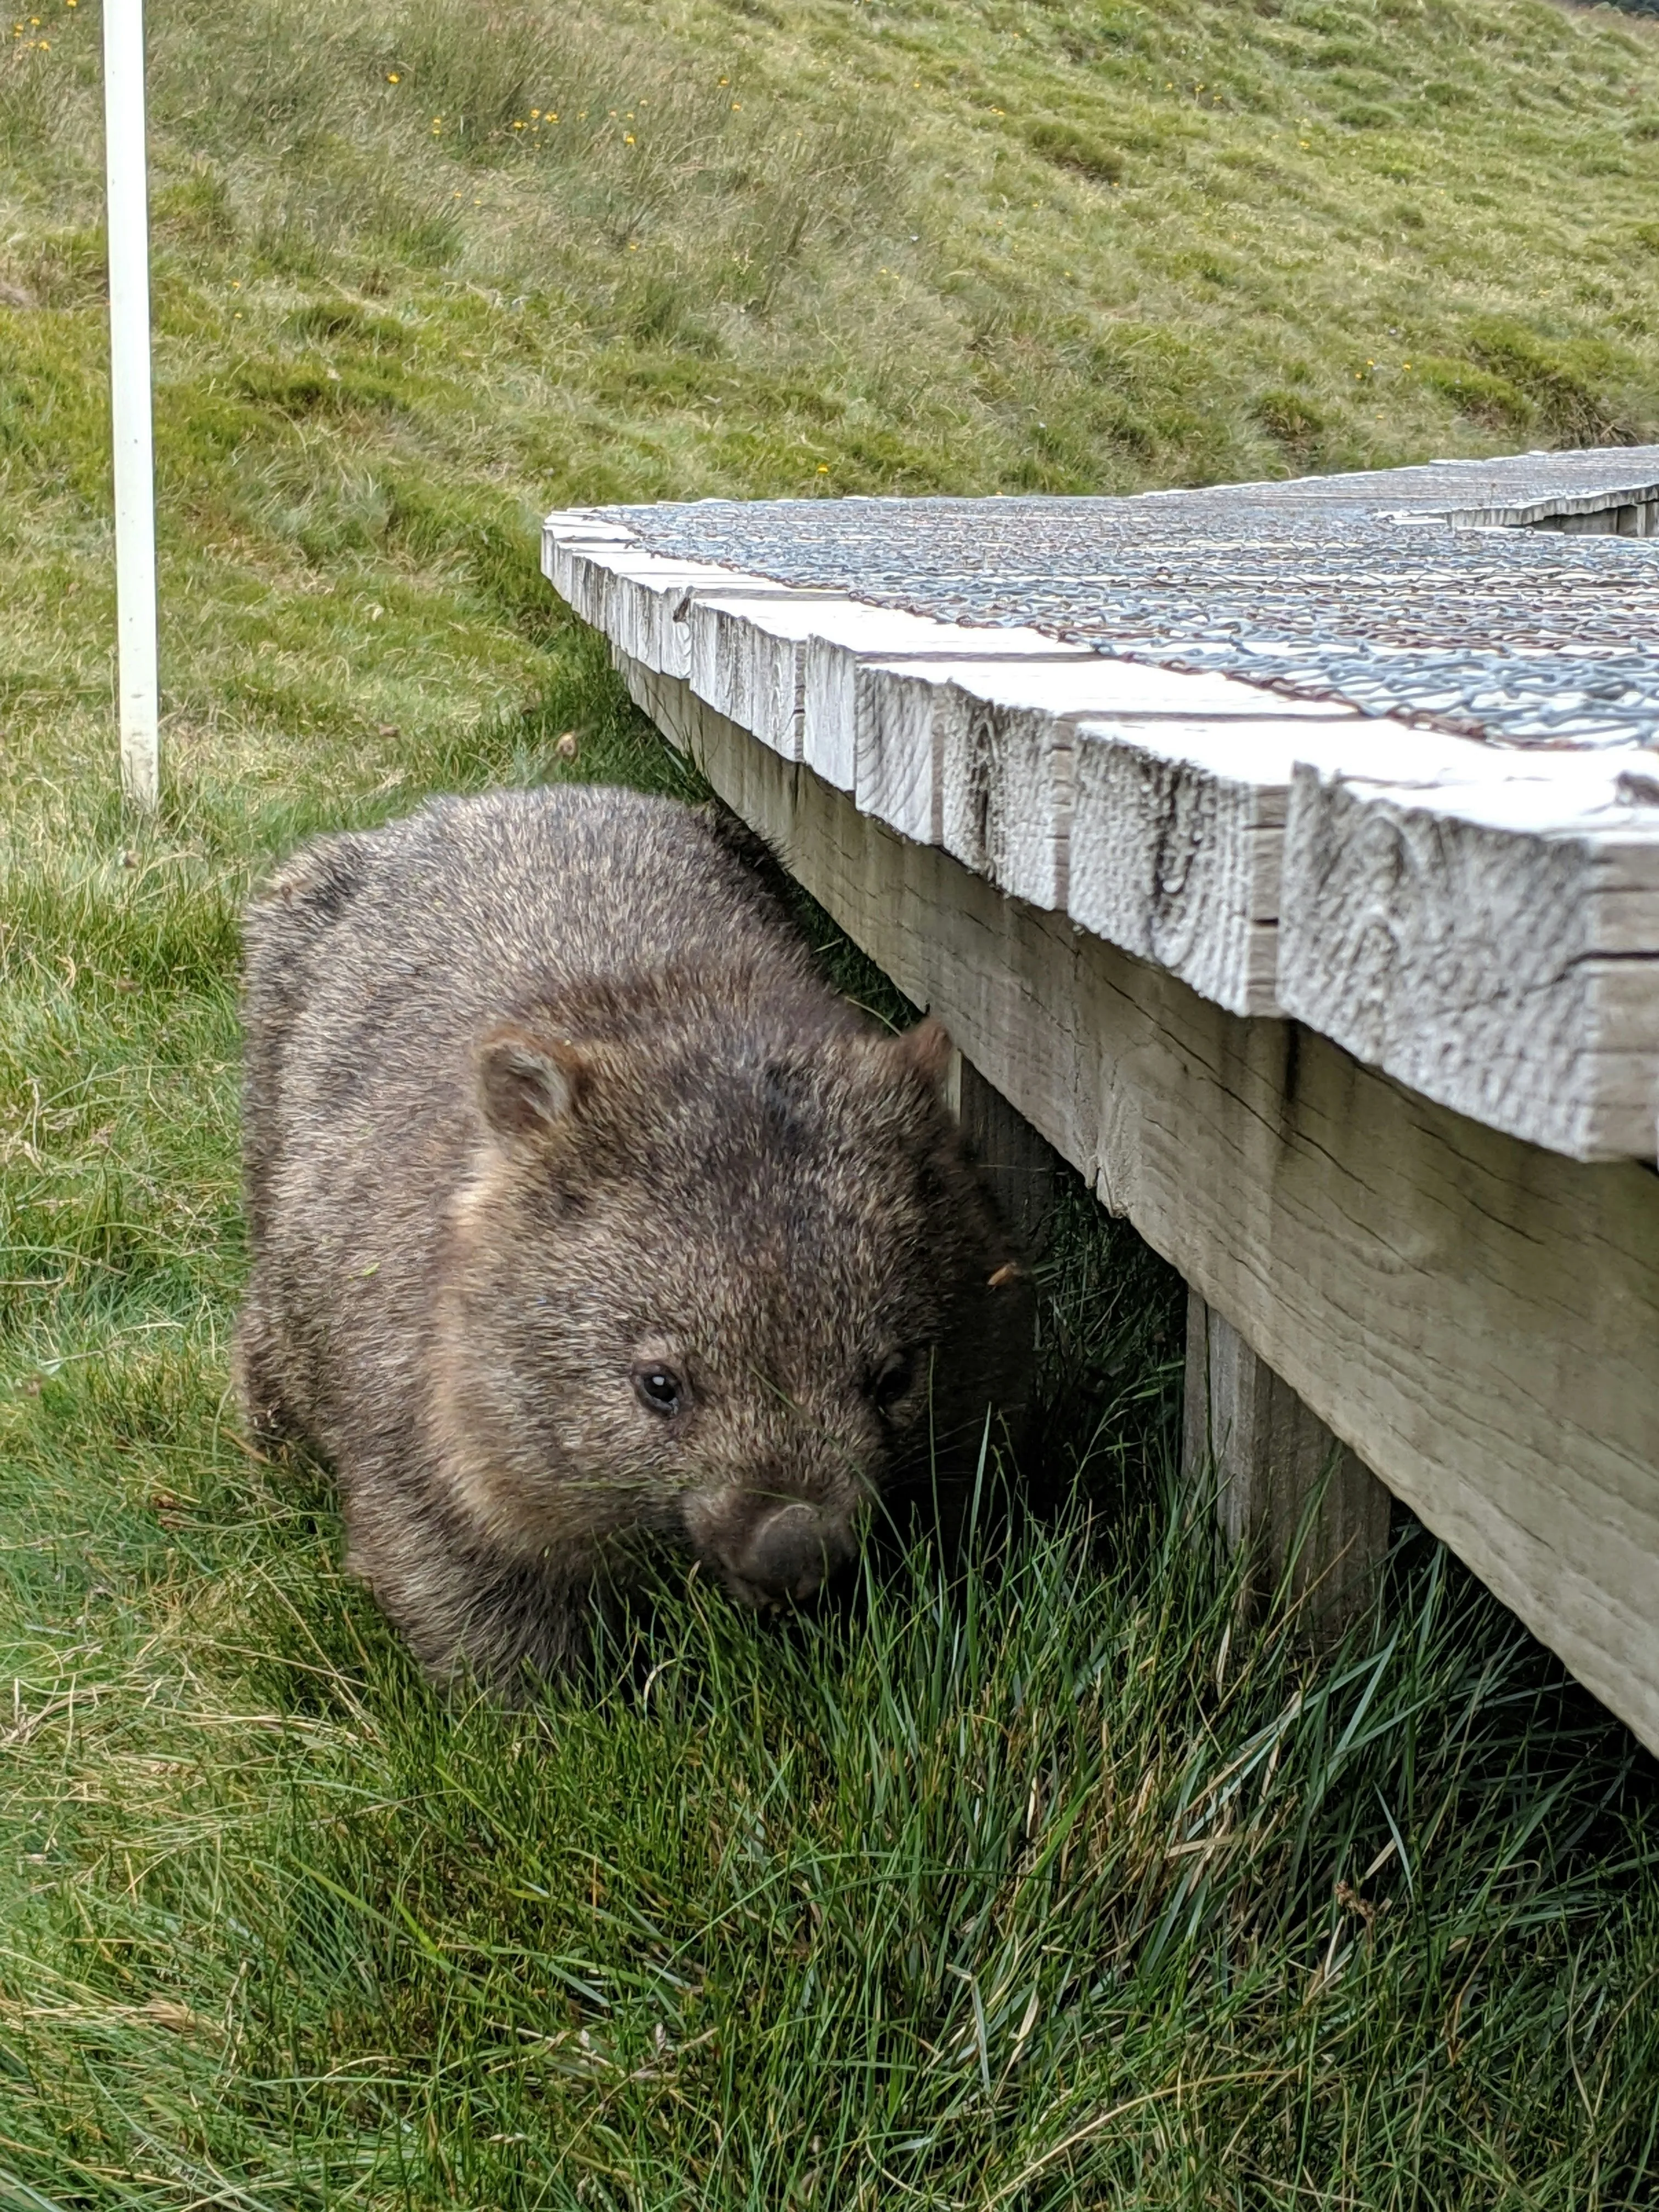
130 398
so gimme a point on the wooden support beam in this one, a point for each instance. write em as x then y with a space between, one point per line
1020 1166
1283 1485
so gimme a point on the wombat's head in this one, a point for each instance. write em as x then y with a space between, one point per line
721 1290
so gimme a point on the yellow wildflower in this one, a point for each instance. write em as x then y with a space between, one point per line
393 77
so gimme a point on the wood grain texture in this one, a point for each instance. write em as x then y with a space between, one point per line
1476 1317
1481 922
1302 1502
1177 836
1505 969
900 711
837 655
789 658
751 669
984 758
640 601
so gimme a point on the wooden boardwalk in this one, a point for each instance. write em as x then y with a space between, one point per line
1288 856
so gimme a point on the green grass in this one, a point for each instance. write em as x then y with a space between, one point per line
1061 1888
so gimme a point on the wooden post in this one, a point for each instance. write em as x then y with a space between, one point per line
1019 1165
1275 1467
130 399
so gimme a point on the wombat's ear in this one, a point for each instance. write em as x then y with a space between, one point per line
923 1051
528 1085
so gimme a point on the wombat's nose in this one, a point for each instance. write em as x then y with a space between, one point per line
793 1550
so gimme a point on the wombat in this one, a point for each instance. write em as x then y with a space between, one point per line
589 1223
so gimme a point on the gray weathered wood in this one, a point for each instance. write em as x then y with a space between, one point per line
1631 511
642 602
750 669
1004 735
900 712
790 662
1482 954
1482 923
1477 1318
1286 1487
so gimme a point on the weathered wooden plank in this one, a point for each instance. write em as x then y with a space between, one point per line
836 661
752 673
1274 1466
982 756
669 701
631 597
1614 511
1473 944
782 665
1177 837
1477 1318
1480 921
898 723
581 525
640 600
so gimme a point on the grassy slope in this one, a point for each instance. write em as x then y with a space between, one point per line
1068 1895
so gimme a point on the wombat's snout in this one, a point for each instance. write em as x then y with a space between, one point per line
790 1552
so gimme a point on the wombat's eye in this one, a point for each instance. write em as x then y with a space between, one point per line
891 1380
659 1389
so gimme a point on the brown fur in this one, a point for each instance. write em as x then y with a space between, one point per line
547 1110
